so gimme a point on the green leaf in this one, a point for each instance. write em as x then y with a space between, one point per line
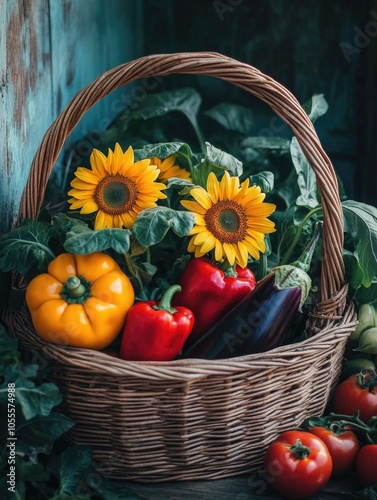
33 399
306 177
71 467
232 117
82 240
279 144
8 349
220 159
63 224
38 434
185 100
28 474
265 180
27 247
360 222
152 224
367 295
317 106
164 149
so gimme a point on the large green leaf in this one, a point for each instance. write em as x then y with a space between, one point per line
232 117
163 150
279 144
152 224
70 467
82 240
185 100
27 247
317 106
360 222
33 399
265 180
214 160
38 434
306 179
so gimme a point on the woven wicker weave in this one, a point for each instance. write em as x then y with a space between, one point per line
192 419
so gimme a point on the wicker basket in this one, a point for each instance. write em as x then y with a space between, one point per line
196 419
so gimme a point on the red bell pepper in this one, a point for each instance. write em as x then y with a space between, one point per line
156 332
209 293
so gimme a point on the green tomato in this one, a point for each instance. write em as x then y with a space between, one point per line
352 366
368 341
366 317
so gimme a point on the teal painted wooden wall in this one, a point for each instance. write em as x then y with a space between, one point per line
49 50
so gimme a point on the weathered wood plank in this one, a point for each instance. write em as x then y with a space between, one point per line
26 96
49 50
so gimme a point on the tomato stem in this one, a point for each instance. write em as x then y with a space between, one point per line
299 450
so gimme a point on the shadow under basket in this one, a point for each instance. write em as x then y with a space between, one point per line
196 419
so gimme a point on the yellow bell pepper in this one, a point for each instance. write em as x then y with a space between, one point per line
82 300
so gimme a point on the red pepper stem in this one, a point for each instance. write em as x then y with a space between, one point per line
165 302
299 450
227 269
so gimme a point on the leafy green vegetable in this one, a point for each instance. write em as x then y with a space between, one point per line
152 224
360 222
83 240
306 179
232 117
27 247
317 106
265 180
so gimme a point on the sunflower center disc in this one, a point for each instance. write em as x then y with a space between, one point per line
115 194
227 221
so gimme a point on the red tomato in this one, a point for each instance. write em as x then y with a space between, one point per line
343 448
298 464
366 464
353 394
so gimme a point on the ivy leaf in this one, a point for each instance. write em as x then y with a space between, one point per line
306 180
360 222
265 180
27 247
317 106
83 240
152 224
27 473
232 117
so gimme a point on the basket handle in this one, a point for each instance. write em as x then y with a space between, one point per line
237 73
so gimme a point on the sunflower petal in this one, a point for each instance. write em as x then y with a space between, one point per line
89 207
202 197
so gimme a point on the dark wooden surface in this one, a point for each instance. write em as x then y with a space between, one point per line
239 488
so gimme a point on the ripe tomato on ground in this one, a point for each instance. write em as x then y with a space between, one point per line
298 464
356 393
366 464
343 448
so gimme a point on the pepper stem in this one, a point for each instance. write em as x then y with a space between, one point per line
228 269
74 287
165 302
299 450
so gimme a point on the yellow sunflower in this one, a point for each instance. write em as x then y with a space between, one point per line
230 219
116 188
168 168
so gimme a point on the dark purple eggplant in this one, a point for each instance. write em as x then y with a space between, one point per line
258 323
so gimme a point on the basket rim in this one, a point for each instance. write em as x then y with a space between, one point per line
192 368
